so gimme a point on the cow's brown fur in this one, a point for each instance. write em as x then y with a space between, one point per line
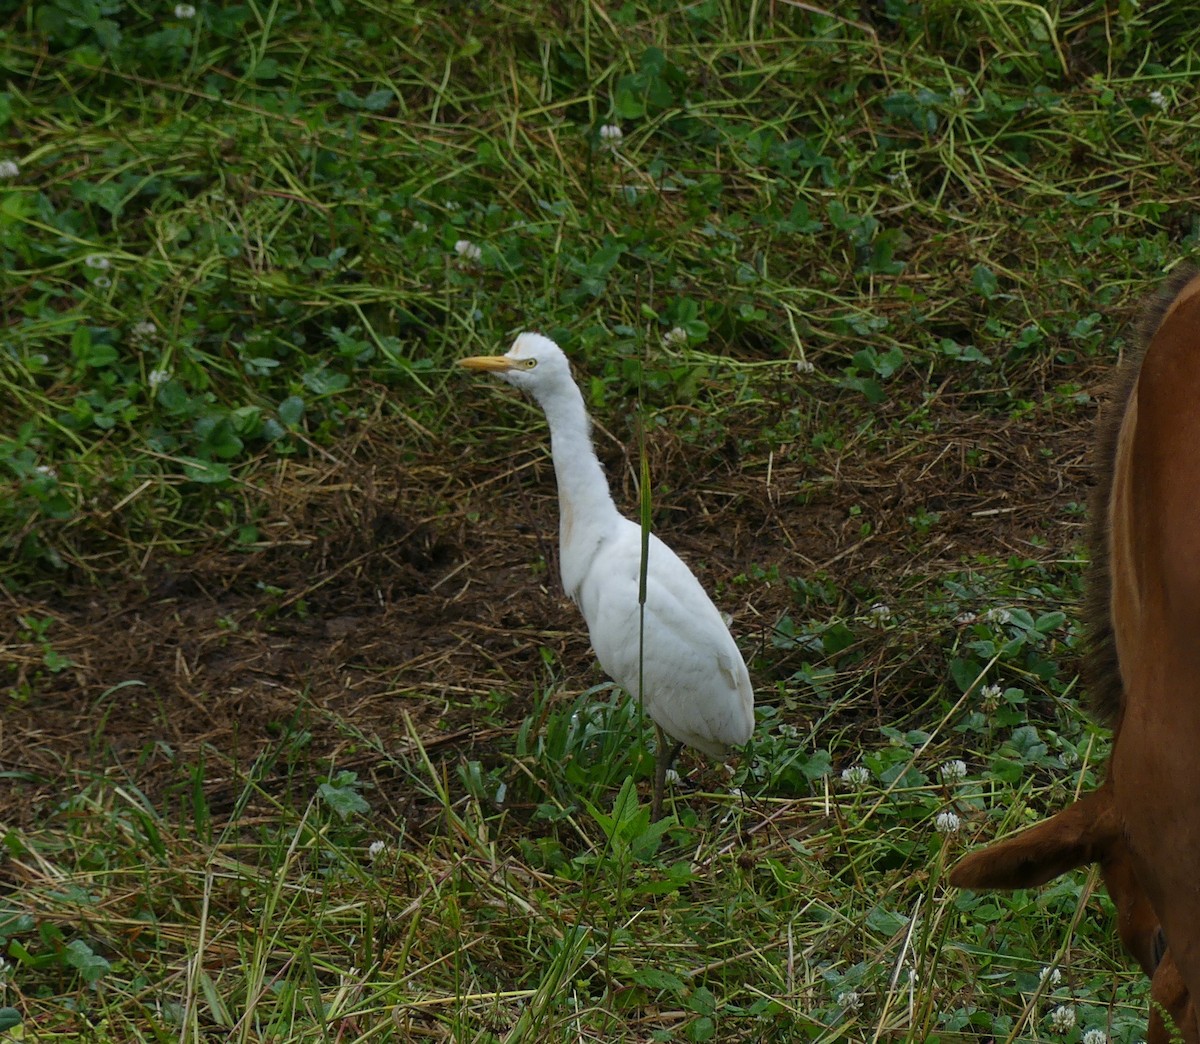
1101 672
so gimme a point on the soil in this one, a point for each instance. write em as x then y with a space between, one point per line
401 590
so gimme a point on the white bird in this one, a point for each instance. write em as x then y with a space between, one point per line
695 683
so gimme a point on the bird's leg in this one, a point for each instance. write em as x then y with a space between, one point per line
664 757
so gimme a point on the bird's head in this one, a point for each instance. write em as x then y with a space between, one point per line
534 363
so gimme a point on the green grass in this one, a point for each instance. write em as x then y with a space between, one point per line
229 250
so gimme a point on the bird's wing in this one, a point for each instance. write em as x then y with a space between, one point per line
694 678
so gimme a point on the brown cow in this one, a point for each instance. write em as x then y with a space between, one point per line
1142 671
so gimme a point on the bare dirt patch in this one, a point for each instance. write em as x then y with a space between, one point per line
391 581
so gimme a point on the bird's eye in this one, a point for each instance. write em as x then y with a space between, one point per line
529 364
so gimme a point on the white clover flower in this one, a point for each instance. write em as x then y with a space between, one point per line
1051 975
953 771
946 822
9 169
611 135
420 226
49 472
467 250
900 179
185 11
1068 757
1157 98
879 614
788 731
675 335
97 261
101 282
143 331
1062 1019
990 696
965 618
158 377
1095 1036
375 850
856 776
849 1000
804 366
997 614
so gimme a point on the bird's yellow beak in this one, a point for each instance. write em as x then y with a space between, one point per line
487 363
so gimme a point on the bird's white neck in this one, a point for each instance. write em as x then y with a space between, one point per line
583 495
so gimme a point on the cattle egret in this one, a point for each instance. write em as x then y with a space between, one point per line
695 685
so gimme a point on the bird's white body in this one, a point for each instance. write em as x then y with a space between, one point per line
695 685
695 680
